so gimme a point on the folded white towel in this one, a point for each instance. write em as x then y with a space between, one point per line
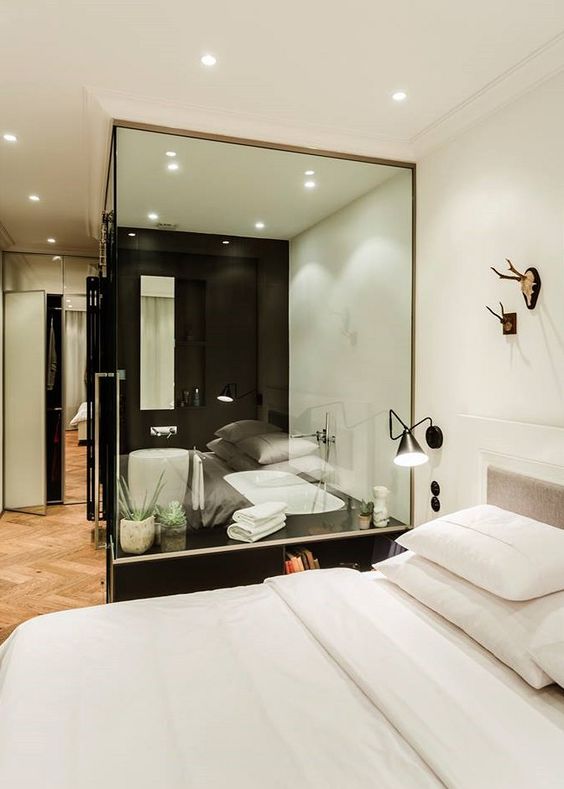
243 533
260 514
198 498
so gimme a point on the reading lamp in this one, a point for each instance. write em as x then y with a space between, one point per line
409 451
229 394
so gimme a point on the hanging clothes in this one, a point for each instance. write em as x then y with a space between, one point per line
51 359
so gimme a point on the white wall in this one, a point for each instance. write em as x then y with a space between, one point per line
350 334
496 192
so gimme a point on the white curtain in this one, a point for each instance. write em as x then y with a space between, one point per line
74 362
157 352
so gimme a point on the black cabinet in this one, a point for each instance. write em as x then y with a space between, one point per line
212 561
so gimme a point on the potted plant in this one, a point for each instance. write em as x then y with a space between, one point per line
365 514
172 521
137 524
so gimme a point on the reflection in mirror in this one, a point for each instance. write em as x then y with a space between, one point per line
74 398
157 343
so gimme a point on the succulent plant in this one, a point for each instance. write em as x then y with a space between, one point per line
366 508
173 515
135 512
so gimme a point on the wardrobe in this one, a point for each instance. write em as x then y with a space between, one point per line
43 372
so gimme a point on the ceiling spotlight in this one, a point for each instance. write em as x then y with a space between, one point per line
56 258
259 225
172 166
208 60
225 242
10 137
51 240
34 198
172 154
309 172
153 216
309 184
399 95
131 235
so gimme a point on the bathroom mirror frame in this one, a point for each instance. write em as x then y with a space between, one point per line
313 152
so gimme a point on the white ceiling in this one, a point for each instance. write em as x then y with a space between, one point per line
226 188
311 74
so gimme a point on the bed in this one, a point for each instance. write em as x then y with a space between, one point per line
320 679
80 421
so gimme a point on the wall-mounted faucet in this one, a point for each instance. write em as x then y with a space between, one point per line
164 431
321 436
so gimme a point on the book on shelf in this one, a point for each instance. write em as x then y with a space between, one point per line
300 559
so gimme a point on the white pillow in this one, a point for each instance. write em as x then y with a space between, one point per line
547 647
504 628
222 448
245 428
276 448
509 555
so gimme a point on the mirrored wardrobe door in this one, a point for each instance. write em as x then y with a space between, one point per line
25 480
74 398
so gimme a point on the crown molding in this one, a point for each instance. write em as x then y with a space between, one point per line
540 65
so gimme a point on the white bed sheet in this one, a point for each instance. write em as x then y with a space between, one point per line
325 679
216 689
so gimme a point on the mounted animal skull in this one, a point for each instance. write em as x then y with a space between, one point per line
529 282
508 320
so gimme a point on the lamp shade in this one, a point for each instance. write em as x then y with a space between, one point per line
228 394
409 451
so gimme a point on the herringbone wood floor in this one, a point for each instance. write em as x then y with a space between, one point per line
47 563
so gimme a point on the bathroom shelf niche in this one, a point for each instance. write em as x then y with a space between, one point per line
190 344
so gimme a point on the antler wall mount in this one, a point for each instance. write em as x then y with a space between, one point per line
508 320
529 282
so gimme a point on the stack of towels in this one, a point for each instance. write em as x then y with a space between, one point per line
254 523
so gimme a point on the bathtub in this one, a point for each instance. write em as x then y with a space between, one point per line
301 497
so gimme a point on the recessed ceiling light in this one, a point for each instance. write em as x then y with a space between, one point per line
259 225
399 95
10 137
309 172
225 242
153 216
56 258
131 235
208 60
172 154
310 184
51 240
34 198
172 166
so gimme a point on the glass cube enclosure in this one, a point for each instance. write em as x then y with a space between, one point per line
264 314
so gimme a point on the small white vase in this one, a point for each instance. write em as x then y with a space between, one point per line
136 536
381 516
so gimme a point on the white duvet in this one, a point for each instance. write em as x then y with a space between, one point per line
81 415
325 679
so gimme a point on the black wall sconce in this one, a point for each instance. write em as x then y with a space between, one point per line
409 451
229 394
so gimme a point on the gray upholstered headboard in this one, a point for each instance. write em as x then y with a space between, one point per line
534 498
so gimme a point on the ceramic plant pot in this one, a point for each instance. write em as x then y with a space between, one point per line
173 538
364 521
136 536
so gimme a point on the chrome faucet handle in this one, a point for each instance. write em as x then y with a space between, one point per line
164 431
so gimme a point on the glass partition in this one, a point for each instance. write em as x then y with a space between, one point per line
264 305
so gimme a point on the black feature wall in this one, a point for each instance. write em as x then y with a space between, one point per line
231 326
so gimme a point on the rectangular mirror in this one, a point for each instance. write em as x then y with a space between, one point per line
157 343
